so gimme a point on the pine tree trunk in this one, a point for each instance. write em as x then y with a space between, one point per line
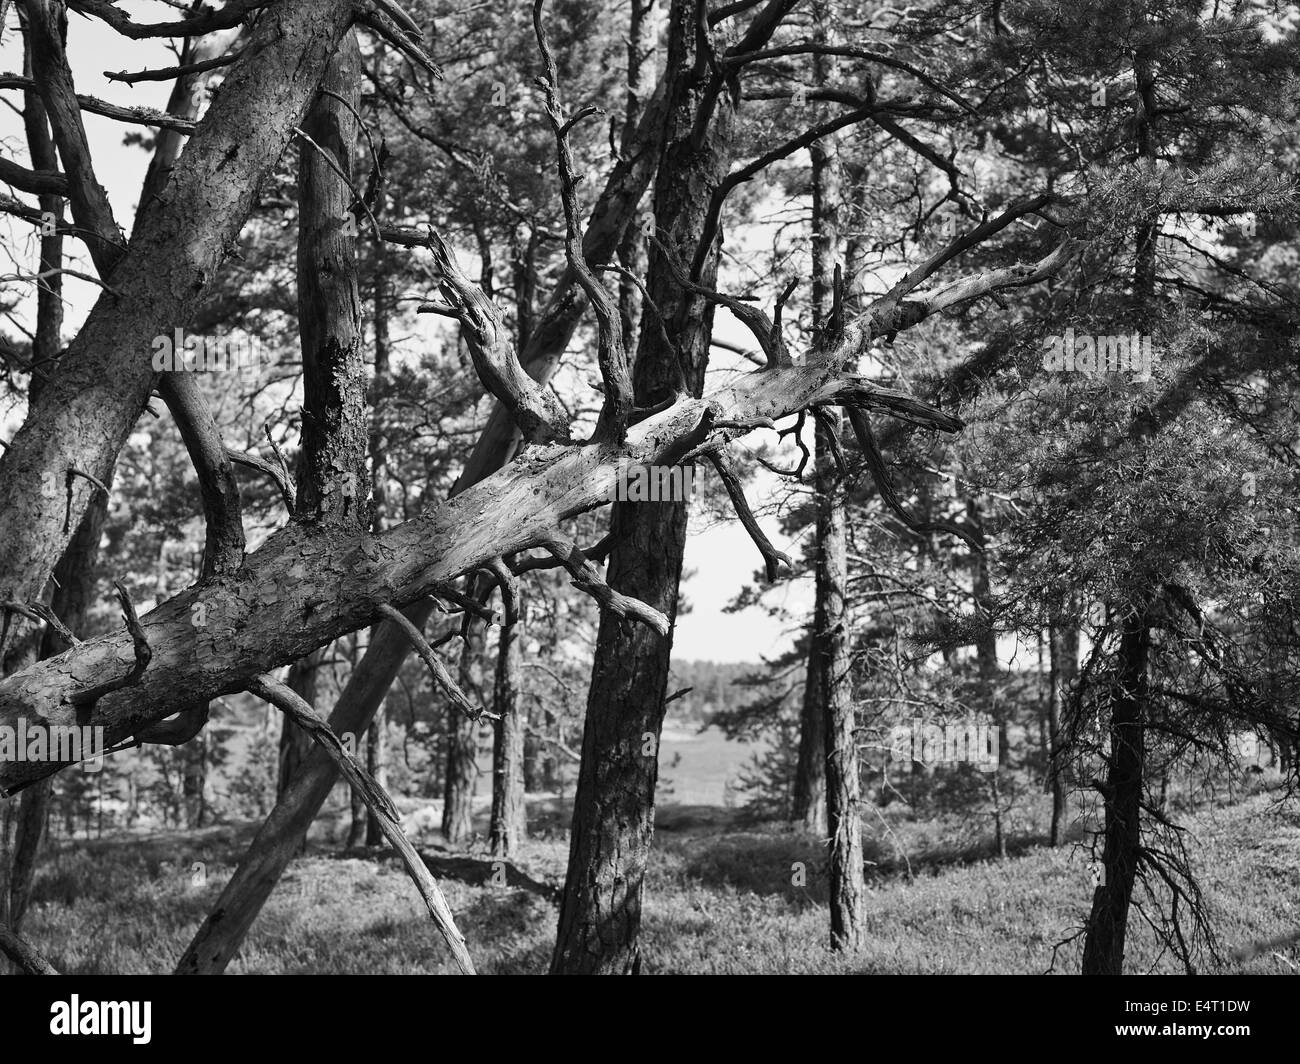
843 785
509 816
376 754
1063 648
194 778
462 745
1103 950
828 641
23 819
333 477
356 835
294 744
613 815
808 797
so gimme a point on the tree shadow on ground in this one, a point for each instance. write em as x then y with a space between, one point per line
490 873
795 865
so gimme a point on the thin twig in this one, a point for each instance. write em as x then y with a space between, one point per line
440 674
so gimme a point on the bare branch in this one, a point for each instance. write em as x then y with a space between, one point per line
964 243
615 368
53 77
288 491
818 48
142 116
37 182
771 556
406 38
535 409
884 485
233 14
377 801
171 73
441 676
586 577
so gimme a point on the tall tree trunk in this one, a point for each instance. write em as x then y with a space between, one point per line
843 782
509 811
613 815
376 749
1103 949
462 744
509 821
829 650
1064 653
632 248
376 765
986 658
332 469
808 795
23 819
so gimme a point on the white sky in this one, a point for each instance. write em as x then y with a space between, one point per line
720 558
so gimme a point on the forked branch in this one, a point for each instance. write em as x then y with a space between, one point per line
587 578
533 406
766 332
884 484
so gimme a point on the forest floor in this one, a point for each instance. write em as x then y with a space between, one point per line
721 896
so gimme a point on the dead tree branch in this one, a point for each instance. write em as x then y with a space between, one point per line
587 578
378 802
772 557
615 368
441 675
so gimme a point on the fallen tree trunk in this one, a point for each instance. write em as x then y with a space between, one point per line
308 585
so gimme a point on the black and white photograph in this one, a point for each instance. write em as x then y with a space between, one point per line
651 487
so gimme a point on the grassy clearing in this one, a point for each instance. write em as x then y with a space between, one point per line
720 898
